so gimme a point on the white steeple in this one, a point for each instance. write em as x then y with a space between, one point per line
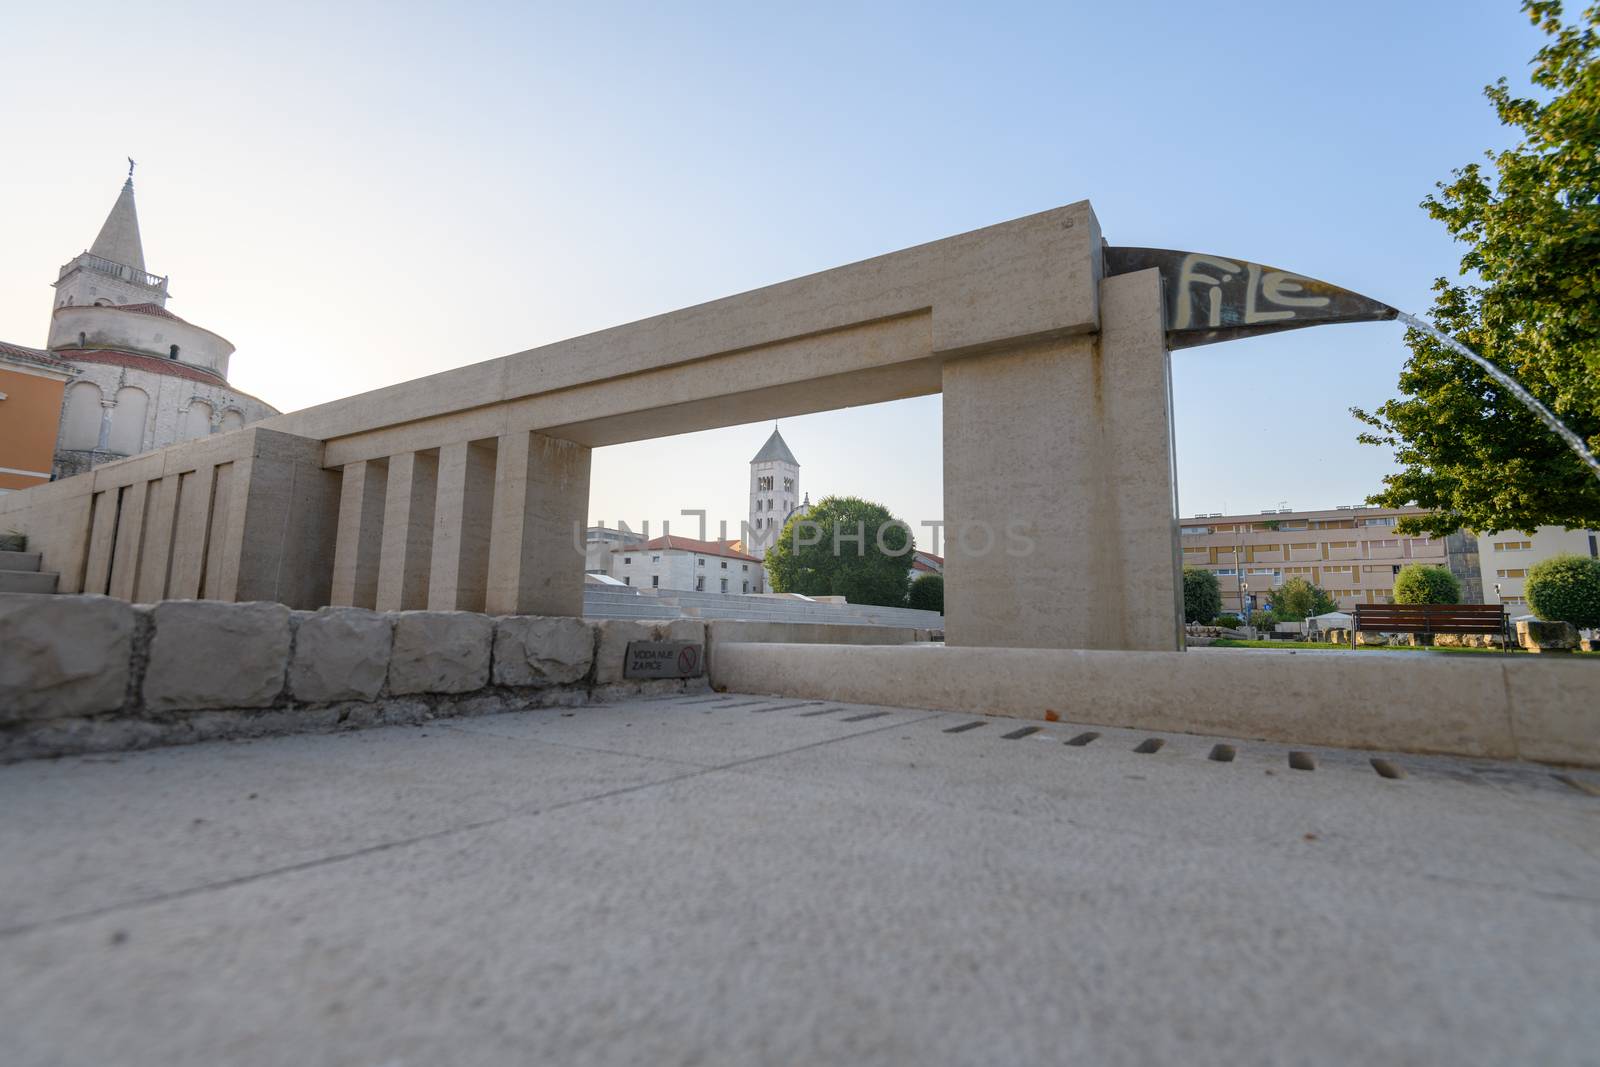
119 236
774 492
112 270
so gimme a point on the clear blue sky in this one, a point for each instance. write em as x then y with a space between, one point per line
357 194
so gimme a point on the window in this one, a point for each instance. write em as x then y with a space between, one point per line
700 583
1514 572
744 566
746 587
655 581
626 580
1513 546
764 484
701 561
1223 570
788 485
724 585
1336 570
1514 601
83 339
1201 549
655 559
1341 544
724 564
1192 530
1388 521
627 559
172 353
1387 542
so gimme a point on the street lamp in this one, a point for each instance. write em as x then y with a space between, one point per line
1244 606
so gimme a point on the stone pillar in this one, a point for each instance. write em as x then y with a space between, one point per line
407 552
541 500
193 531
359 543
130 535
156 558
1061 522
102 531
462 516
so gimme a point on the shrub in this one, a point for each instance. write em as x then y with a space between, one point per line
1566 589
1262 620
1202 597
927 593
1417 584
1229 621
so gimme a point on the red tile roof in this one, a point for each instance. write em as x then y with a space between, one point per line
689 544
155 364
34 355
148 309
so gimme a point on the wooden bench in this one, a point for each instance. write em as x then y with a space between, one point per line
1430 619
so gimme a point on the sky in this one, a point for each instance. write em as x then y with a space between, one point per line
357 194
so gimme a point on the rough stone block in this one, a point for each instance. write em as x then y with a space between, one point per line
207 654
1537 636
615 636
440 652
541 650
340 654
63 655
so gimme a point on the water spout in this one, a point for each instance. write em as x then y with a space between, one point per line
1512 386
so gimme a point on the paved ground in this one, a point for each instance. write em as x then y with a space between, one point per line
735 880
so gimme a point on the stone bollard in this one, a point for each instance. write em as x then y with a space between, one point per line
1536 636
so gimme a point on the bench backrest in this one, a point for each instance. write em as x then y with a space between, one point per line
1431 618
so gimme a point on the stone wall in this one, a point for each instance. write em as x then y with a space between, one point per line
94 673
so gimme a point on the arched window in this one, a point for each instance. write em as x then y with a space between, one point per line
172 353
81 426
231 420
83 339
197 420
127 421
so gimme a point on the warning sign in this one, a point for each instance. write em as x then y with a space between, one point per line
664 659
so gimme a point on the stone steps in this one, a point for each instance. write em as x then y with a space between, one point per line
19 561
28 581
19 573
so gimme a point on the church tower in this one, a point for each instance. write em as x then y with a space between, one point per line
111 272
774 492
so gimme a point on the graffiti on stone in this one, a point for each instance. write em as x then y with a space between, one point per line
1214 298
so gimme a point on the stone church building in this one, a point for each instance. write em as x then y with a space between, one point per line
141 377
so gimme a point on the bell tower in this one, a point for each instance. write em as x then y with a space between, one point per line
774 492
112 271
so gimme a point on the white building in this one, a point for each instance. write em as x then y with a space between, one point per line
145 378
1504 559
673 562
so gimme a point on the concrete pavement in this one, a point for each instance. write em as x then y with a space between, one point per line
727 879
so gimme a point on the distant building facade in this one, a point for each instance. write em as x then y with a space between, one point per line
141 377
1355 552
32 382
683 563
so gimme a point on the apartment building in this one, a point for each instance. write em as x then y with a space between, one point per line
1505 559
1355 552
1352 552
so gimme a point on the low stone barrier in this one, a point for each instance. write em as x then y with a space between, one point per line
93 673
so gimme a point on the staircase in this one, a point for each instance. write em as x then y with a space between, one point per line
19 573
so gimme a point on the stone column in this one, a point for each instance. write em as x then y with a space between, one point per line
407 552
130 535
102 531
1061 524
462 516
157 556
359 543
192 534
541 501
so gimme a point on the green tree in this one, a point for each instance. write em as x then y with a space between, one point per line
1202 598
1297 600
1417 584
1469 452
1262 620
844 546
1228 621
927 593
1566 589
